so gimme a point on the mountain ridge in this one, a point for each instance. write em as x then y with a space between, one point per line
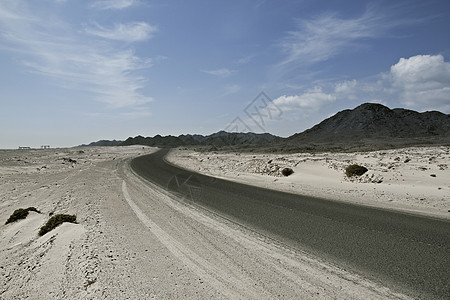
367 126
378 121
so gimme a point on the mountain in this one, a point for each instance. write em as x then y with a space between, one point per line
102 143
223 138
373 124
218 139
369 126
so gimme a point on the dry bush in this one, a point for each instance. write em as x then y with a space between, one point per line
20 213
55 221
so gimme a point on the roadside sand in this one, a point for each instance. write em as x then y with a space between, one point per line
133 240
410 179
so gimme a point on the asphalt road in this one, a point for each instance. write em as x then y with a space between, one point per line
409 253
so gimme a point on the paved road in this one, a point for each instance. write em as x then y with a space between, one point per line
407 252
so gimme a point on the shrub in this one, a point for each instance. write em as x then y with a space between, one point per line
20 213
55 221
31 208
287 171
17 215
355 170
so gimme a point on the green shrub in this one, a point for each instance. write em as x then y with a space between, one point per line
287 171
20 213
55 221
17 215
355 170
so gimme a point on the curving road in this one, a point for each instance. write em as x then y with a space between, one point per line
406 252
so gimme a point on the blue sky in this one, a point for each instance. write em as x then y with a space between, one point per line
75 71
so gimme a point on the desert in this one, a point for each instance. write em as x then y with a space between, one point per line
135 240
254 149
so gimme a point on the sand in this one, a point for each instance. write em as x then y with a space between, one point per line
413 180
134 240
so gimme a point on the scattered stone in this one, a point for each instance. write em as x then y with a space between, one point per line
69 160
287 171
355 170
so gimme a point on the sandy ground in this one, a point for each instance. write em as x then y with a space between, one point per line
411 179
133 240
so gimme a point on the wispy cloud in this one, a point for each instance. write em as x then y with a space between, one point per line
112 4
244 60
74 61
224 72
231 89
130 32
321 38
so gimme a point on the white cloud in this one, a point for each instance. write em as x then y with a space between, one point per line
311 100
113 4
73 61
130 32
346 89
224 72
421 81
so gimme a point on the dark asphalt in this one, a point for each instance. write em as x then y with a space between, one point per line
409 253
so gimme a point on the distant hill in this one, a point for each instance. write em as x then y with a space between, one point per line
218 139
103 143
376 126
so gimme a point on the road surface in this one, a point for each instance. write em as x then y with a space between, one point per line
406 252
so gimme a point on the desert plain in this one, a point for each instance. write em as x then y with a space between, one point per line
135 240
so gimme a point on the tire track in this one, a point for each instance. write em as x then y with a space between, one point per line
230 287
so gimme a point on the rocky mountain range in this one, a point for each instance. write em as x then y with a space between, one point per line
218 139
368 126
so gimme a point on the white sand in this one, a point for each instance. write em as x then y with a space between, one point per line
133 240
412 179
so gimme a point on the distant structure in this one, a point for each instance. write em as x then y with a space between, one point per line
24 148
45 147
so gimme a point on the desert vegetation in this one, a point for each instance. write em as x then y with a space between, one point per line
20 213
55 221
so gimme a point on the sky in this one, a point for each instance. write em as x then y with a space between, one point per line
77 71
